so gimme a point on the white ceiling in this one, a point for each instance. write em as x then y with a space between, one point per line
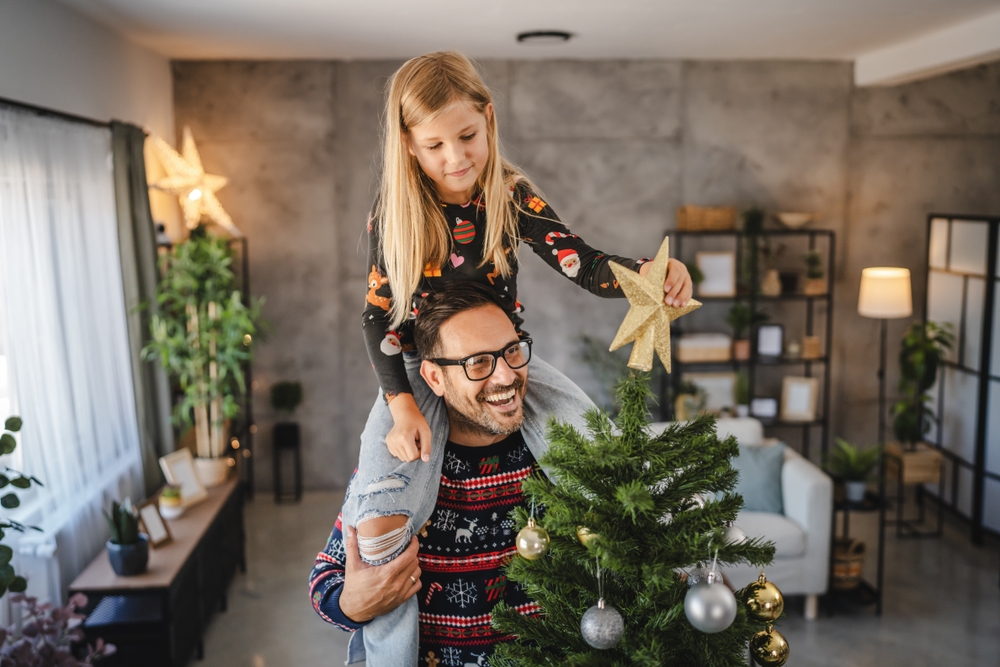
381 29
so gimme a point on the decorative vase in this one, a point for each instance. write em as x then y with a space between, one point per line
211 472
741 349
129 559
771 284
854 491
814 286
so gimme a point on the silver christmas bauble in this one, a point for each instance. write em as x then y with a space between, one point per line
532 541
710 607
698 574
734 535
602 626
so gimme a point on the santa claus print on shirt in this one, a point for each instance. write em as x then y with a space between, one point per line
569 261
390 345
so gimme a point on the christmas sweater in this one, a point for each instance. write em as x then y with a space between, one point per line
463 548
538 227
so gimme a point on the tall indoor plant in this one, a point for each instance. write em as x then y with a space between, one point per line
203 336
921 352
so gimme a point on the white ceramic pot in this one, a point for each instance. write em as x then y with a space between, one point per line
742 411
854 491
211 472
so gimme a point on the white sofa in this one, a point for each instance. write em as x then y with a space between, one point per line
801 535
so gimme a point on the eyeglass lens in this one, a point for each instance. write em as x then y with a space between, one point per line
481 366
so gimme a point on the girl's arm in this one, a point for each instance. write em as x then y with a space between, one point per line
588 267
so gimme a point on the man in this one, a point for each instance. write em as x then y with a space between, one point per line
472 358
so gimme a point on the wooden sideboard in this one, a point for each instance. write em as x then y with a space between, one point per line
158 618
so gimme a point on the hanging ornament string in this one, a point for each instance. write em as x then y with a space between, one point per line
601 626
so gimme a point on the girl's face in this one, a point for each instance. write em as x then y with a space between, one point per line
452 149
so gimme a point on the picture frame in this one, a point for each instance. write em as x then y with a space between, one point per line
719 388
719 269
764 408
152 522
770 340
798 398
178 468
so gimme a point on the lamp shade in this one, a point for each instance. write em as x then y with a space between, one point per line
885 293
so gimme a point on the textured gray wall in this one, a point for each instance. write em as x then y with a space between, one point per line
616 146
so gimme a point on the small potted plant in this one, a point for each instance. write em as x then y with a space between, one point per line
815 282
286 397
770 284
920 354
853 466
689 402
742 319
741 392
128 549
171 503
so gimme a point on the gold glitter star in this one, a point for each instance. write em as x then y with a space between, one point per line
648 320
187 179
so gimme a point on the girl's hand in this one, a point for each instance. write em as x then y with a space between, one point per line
677 288
410 436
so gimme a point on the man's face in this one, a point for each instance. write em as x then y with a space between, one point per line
494 406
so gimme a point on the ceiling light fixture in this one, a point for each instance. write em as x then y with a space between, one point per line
544 37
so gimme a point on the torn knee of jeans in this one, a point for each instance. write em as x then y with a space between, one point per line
391 482
383 548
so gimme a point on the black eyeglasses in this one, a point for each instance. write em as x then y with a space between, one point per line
481 365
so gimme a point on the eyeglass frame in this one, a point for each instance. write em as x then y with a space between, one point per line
495 355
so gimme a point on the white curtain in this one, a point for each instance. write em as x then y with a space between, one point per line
65 327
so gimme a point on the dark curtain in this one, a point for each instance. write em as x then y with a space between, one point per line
137 240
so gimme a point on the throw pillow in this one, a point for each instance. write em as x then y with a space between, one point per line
760 477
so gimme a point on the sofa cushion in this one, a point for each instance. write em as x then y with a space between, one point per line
746 430
760 477
788 536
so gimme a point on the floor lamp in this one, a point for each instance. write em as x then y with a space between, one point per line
884 295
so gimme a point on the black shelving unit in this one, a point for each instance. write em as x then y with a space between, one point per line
814 239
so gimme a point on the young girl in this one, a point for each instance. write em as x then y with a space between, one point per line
451 208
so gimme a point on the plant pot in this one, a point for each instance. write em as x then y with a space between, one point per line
814 286
742 410
854 491
920 465
771 284
171 512
848 563
211 472
129 559
741 349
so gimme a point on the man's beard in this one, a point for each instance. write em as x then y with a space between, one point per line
477 417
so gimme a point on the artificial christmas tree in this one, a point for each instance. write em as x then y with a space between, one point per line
650 508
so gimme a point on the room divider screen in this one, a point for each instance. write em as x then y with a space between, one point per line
962 277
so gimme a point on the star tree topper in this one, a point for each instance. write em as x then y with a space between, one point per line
648 320
187 179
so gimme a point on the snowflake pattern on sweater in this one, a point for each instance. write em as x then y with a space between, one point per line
468 541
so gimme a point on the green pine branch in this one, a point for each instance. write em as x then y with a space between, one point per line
636 491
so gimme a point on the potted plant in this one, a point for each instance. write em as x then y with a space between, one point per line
741 392
770 284
45 635
853 466
128 549
689 401
742 319
203 335
286 397
921 352
171 506
815 282
753 225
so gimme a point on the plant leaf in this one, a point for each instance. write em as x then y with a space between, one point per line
6 553
13 424
7 443
10 501
21 482
19 585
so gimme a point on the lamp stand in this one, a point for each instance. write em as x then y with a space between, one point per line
881 466
881 383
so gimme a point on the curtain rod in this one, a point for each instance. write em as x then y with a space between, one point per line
43 111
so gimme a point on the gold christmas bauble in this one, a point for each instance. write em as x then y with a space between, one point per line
532 541
763 600
769 648
585 535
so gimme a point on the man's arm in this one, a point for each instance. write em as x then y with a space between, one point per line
348 593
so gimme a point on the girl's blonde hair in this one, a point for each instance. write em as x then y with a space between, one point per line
413 228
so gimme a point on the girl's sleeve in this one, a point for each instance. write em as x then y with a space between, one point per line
565 251
389 368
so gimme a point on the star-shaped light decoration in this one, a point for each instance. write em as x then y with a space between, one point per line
648 320
187 179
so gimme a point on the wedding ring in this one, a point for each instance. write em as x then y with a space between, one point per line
412 579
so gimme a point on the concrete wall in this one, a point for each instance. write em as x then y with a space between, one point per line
616 146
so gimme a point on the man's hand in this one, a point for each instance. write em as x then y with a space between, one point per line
410 436
677 288
371 591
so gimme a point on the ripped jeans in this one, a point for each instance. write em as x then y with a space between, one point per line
384 485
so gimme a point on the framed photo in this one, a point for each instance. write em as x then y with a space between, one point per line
719 389
770 340
178 468
798 399
719 269
764 408
153 524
